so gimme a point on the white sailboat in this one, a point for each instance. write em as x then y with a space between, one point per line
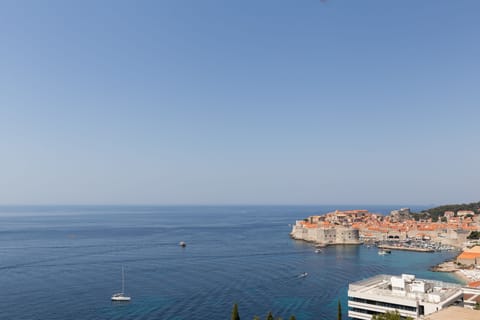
121 295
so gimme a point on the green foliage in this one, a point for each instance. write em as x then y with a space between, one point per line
387 316
339 310
437 212
477 306
391 315
270 317
474 235
235 315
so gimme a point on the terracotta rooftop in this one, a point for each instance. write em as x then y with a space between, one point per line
475 249
474 284
468 255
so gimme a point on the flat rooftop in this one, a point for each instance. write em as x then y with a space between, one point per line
405 287
454 313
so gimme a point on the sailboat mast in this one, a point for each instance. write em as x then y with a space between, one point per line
123 281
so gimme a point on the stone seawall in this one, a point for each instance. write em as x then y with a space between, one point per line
333 235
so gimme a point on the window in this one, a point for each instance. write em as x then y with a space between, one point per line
384 304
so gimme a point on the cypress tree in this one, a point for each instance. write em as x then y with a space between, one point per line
235 315
293 318
270 316
339 313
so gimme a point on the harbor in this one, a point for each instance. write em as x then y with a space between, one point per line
414 245
398 230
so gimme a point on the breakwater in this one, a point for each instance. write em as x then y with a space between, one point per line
402 248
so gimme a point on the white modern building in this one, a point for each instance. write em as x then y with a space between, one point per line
409 296
471 296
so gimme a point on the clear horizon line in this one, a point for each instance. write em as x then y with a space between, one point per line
215 204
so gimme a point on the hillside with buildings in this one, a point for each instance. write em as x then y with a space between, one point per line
452 209
357 226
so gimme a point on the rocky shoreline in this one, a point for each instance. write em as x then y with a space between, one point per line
461 273
446 266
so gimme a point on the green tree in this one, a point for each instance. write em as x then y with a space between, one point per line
235 315
256 318
474 235
339 310
292 318
270 316
390 315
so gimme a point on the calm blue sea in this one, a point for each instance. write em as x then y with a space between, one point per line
64 262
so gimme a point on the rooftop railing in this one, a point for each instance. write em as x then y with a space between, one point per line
381 285
369 282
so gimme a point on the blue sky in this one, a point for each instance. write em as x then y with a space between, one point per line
239 102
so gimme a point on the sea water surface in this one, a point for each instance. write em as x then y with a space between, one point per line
64 262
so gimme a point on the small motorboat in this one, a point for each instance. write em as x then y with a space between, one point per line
383 252
318 251
182 244
303 275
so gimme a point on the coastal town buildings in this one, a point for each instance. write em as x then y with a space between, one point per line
462 213
400 215
410 296
470 257
339 227
449 215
